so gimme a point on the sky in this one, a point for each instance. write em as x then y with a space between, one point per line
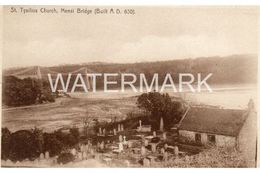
152 34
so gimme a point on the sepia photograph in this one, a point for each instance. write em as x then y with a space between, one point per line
129 86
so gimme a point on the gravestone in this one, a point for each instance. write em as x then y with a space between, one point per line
80 155
130 144
143 151
73 151
120 147
176 151
165 156
102 145
146 142
104 132
140 124
86 148
82 147
146 162
92 152
164 136
125 142
153 145
122 127
161 124
127 163
154 133
41 156
165 146
100 131
162 150
89 143
47 155
114 131
118 128
120 138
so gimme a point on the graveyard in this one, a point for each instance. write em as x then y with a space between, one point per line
134 141
120 147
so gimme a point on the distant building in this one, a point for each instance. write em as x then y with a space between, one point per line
222 127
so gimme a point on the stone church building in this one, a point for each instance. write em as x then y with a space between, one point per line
222 127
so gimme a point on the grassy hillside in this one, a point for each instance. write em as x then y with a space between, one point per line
235 69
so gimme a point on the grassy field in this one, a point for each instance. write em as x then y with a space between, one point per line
66 112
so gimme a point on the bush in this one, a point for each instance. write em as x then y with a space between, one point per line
52 144
68 139
65 158
23 144
5 143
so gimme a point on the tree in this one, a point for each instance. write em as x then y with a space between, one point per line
160 105
19 92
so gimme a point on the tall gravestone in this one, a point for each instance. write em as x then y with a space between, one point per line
114 131
161 124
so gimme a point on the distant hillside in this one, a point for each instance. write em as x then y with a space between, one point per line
235 69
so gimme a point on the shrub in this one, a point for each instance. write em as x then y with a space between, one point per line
52 144
65 158
23 144
5 143
68 139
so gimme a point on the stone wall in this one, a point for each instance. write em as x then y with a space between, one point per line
187 134
247 139
221 141
225 141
